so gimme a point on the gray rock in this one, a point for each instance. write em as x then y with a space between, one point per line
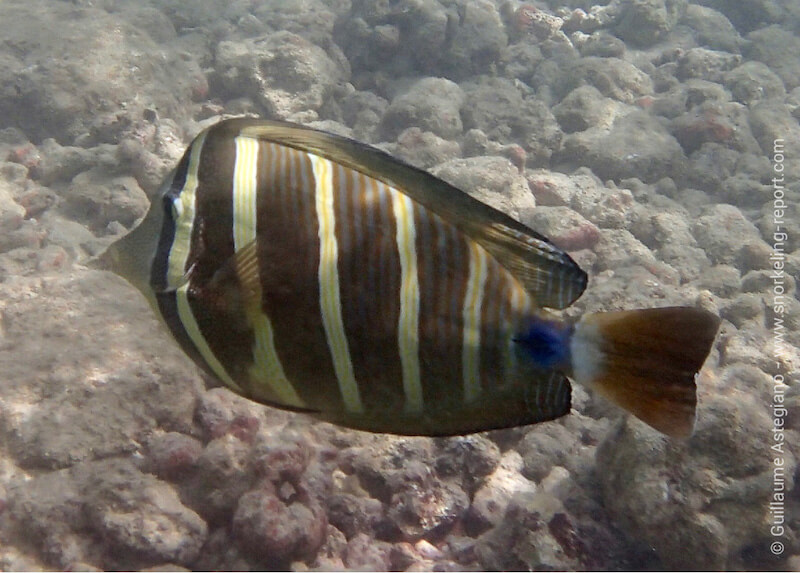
614 77
497 107
431 104
528 21
453 39
723 231
743 308
62 163
476 38
422 506
690 262
645 22
637 145
312 19
539 533
42 100
469 459
423 149
612 208
772 120
173 455
589 19
95 199
665 228
283 72
681 97
400 472
133 519
521 61
551 188
278 529
748 16
363 110
711 28
46 510
665 484
749 346
11 214
793 101
603 45
221 553
365 553
555 189
375 463
152 21
381 42
331 552
542 449
280 457
762 281
493 180
711 164
76 240
223 476
747 192
138 514
353 514
491 500
105 403
586 107
698 127
776 47
150 150
221 413
567 229
705 64
723 280
752 82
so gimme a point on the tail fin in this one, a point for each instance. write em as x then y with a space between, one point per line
646 361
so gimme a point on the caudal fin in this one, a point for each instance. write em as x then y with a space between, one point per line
646 361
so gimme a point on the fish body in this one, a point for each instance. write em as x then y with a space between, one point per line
310 272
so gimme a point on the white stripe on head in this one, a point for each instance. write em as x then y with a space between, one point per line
184 210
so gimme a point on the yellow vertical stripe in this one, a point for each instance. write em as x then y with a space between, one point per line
473 300
330 301
408 324
184 208
267 368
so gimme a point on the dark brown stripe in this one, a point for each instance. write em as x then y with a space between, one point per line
223 324
370 300
288 253
444 271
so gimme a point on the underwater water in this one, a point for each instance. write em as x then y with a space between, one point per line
656 141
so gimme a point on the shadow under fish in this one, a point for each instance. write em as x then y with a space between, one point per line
311 272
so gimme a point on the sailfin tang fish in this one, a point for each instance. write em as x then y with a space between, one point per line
311 272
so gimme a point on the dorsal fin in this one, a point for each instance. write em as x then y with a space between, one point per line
551 277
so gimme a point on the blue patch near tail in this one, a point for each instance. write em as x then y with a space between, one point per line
546 342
